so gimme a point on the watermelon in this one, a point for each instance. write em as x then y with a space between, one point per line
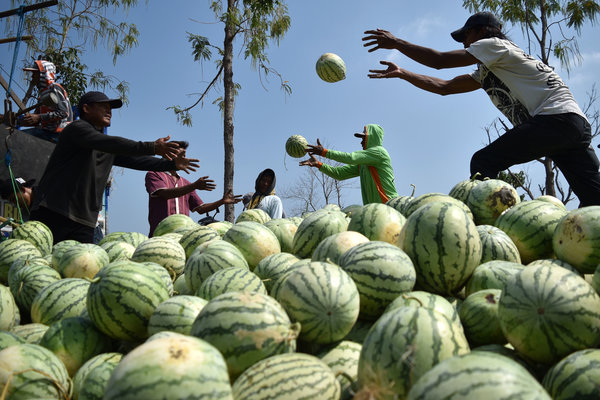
180 286
172 223
442 241
58 249
209 258
254 215
10 251
492 275
381 272
254 240
402 346
36 233
296 145
75 340
176 314
418 298
174 367
28 278
531 225
287 376
9 313
497 245
323 298
61 299
490 198
195 237
556 262
343 361
575 377
30 333
122 297
548 312
399 203
332 248
331 68
479 317
316 227
245 328
118 250
29 371
284 229
377 222
478 375
163 251
220 226
163 273
427 198
576 239
133 238
82 261
552 199
231 279
9 339
89 383
272 267
461 190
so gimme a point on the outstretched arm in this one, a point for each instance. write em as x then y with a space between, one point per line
382 39
202 183
229 198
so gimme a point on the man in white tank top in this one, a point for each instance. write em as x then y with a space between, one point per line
547 121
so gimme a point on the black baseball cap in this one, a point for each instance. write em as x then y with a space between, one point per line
6 186
98 97
476 20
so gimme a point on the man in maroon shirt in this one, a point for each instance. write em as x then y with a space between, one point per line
169 193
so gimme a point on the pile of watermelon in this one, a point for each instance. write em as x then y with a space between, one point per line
474 294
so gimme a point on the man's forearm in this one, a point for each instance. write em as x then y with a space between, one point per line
172 193
207 207
434 58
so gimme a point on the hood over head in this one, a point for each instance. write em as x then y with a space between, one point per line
271 188
374 136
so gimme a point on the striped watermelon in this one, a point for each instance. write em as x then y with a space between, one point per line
75 340
489 198
10 251
531 225
497 245
332 248
163 251
552 199
36 233
82 261
9 312
195 237
176 314
381 272
272 267
351 209
133 238
575 377
58 249
278 281
231 279
118 250
284 229
316 227
61 299
478 375
461 190
492 275
162 272
27 279
377 222
548 312
221 227
331 68
402 346
122 297
576 239
254 240
254 215
418 298
359 330
400 203
180 286
173 367
8 339
29 371
30 333
442 241
556 262
479 317
290 376
209 258
172 223
89 383
343 361
323 298
296 145
245 328
427 198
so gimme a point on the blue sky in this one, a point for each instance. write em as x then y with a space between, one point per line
429 137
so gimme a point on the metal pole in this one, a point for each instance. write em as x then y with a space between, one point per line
29 8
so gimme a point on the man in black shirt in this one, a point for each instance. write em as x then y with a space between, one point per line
69 195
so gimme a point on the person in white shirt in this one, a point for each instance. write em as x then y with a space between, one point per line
547 121
264 196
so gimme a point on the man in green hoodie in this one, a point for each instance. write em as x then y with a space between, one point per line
372 164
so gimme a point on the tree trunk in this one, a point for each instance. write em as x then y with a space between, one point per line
228 109
550 189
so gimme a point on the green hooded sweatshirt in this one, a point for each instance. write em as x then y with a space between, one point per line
373 165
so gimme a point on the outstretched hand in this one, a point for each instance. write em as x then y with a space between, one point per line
186 164
166 149
312 149
392 71
230 198
381 39
204 183
311 162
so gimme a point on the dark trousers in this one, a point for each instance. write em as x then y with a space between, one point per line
565 138
62 227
